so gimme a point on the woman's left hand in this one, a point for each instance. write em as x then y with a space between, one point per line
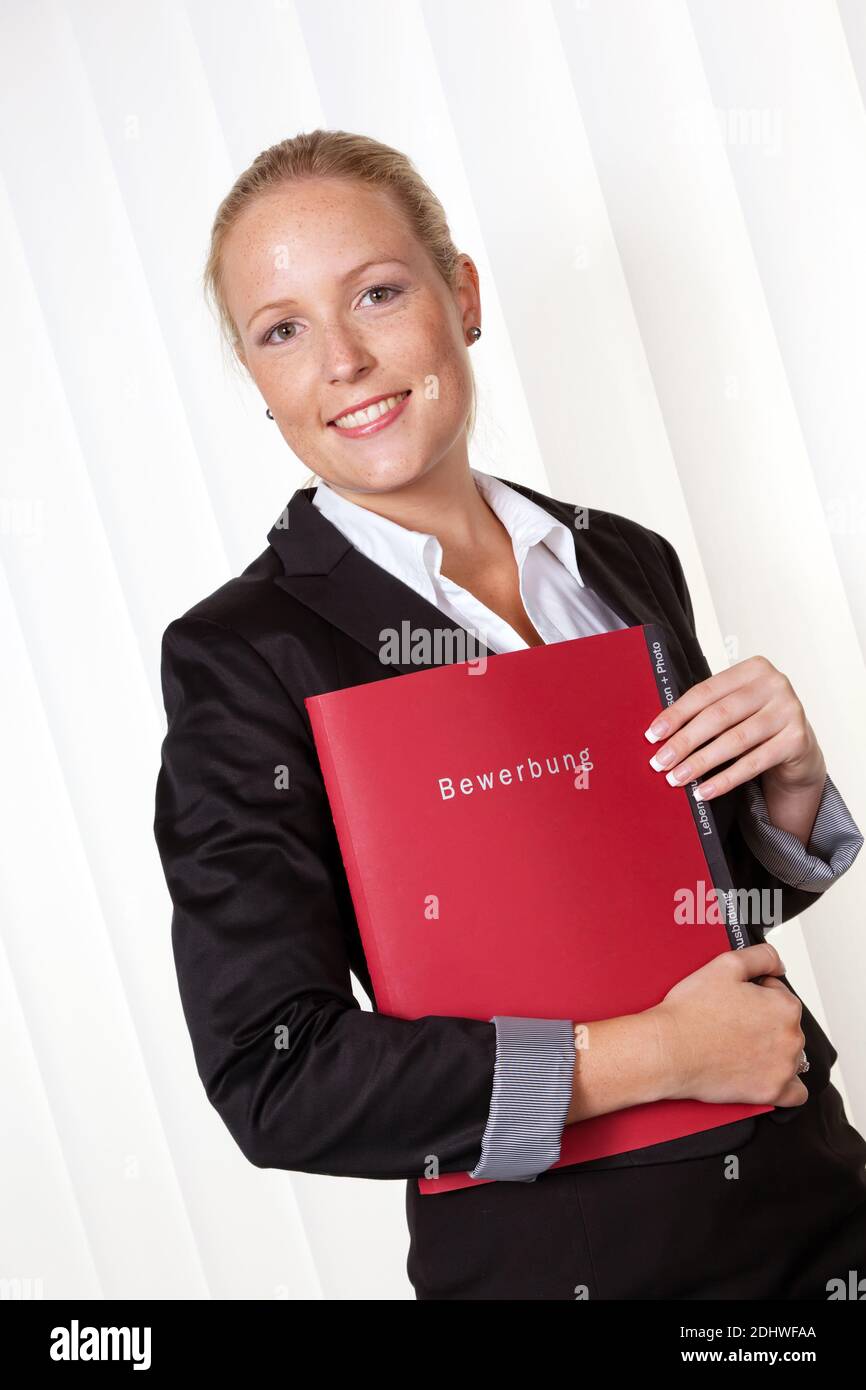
749 712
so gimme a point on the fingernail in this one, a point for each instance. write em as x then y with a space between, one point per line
678 778
662 759
656 730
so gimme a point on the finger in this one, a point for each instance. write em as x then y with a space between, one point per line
707 692
761 759
732 711
772 982
752 961
795 1093
751 736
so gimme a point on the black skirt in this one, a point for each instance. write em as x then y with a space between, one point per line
782 1222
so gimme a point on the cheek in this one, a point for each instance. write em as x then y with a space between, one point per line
432 362
452 387
433 354
290 395
274 381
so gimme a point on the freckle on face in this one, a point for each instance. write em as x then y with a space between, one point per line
299 242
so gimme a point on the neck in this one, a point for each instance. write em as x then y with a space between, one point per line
446 503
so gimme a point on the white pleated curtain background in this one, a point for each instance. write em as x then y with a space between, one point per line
667 205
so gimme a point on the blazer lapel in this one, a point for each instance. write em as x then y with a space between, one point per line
327 574
324 571
609 566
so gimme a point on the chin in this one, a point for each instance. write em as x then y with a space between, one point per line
378 476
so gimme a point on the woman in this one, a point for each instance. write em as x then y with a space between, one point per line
340 291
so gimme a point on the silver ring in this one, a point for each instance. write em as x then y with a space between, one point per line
804 1063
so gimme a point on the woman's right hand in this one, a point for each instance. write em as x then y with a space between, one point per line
724 1040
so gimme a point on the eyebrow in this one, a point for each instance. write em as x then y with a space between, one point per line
350 274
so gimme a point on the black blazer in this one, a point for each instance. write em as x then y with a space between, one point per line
263 929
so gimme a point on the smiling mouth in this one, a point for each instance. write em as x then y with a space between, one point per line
353 421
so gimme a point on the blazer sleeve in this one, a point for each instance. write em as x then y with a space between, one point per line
764 857
303 1078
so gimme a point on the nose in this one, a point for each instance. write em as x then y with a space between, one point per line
345 354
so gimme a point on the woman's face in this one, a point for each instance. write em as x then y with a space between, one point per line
337 302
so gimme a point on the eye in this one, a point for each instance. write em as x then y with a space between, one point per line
382 289
391 290
269 337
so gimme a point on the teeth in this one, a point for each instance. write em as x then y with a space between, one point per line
366 417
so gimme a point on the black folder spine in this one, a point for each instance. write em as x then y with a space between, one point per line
705 824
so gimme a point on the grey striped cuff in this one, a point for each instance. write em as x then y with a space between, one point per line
833 845
532 1083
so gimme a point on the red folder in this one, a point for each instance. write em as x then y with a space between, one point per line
509 850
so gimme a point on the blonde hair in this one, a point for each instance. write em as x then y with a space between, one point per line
332 154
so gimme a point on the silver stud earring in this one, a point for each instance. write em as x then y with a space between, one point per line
475 333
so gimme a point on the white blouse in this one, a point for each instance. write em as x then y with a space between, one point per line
559 605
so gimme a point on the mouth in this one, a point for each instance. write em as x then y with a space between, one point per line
371 415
